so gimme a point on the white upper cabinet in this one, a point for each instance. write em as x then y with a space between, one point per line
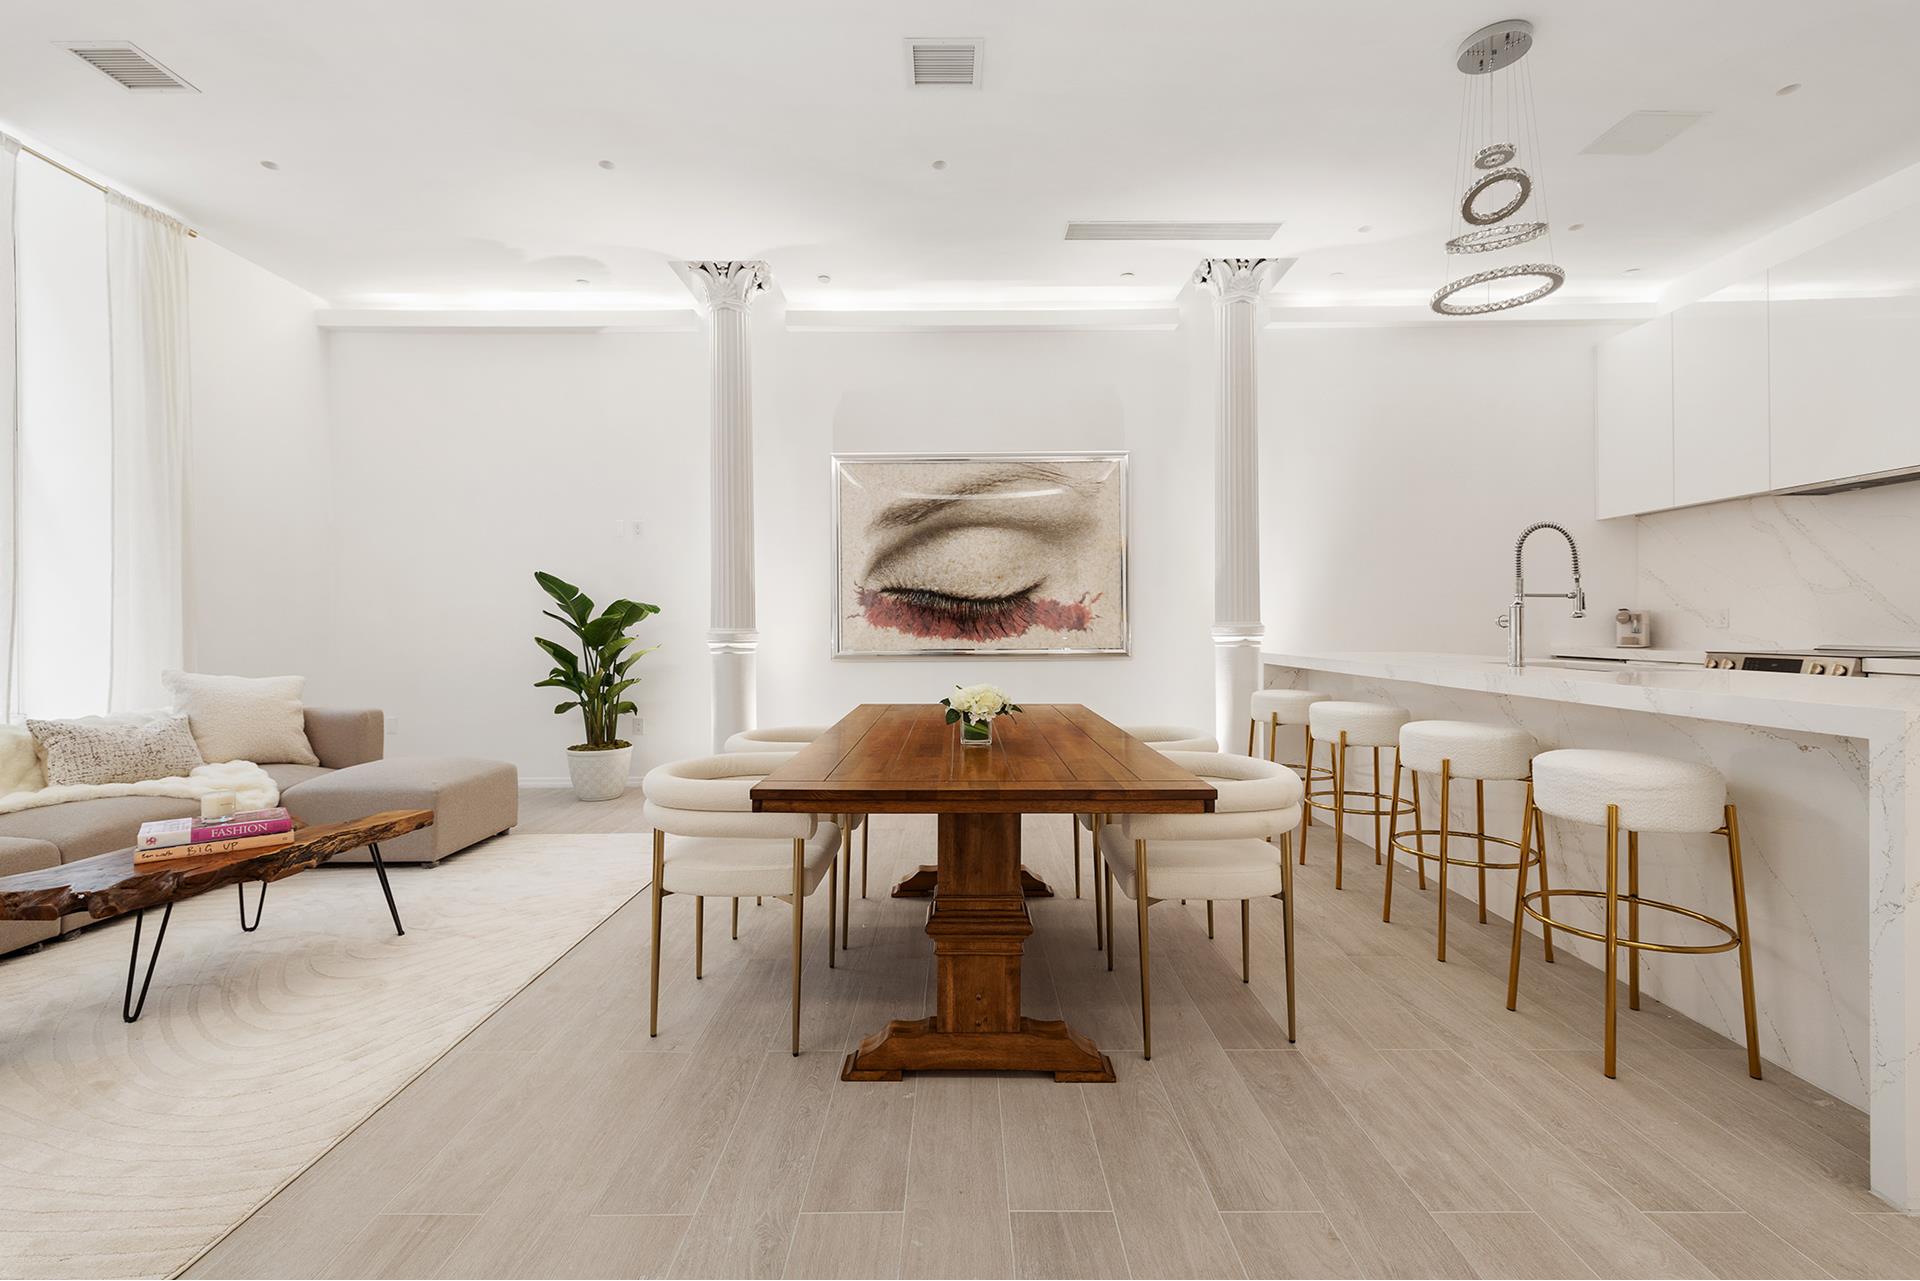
1845 365
1720 410
1633 470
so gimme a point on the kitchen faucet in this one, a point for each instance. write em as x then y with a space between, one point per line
1514 619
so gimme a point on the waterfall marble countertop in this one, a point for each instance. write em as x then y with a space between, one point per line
1872 707
1883 712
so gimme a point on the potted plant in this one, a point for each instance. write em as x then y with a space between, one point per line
597 678
975 706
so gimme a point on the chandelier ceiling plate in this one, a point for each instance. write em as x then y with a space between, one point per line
1497 45
1550 276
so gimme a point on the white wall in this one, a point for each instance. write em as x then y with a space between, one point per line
1397 467
261 498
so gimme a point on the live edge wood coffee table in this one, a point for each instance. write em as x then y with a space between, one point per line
1049 759
113 884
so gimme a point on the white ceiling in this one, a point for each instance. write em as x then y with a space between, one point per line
444 152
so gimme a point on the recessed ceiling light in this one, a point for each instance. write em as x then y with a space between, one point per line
1363 229
269 164
939 164
1575 226
825 280
1336 273
583 281
1630 270
606 164
1784 90
1126 275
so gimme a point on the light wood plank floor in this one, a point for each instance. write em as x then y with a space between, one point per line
1416 1128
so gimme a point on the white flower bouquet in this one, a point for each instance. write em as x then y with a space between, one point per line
974 707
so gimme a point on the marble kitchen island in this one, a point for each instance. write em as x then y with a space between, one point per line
1823 772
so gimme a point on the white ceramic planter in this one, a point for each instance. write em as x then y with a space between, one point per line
601 775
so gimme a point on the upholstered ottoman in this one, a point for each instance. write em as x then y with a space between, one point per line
471 800
21 854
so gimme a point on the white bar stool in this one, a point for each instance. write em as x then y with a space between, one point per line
1460 749
1342 725
1277 707
1636 793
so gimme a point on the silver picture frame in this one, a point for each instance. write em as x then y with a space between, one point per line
837 641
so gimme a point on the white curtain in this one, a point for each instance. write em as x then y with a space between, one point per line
9 422
147 306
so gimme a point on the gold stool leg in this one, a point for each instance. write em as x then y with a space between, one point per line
1273 738
799 925
736 919
659 896
1286 921
1339 809
1613 933
1446 822
1146 982
1393 833
1480 827
1419 841
1374 778
1746 945
1251 722
1306 778
1520 898
1633 919
1540 843
1075 820
699 934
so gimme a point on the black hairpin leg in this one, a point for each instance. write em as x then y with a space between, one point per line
259 908
373 848
129 1008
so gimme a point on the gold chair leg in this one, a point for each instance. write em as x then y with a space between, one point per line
1613 934
1746 944
1393 834
1480 828
1246 940
1633 919
846 884
699 934
1273 739
1446 822
799 928
1075 820
866 838
659 898
1340 810
1520 897
1306 777
1286 921
1378 857
1107 871
1101 921
1540 844
833 904
1209 918
1419 841
736 918
1146 982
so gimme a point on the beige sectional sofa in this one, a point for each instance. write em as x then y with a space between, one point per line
472 799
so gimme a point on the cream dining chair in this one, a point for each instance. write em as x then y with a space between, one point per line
788 739
1240 851
708 842
1161 738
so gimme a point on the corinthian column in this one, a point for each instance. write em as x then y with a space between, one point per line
732 637
1237 286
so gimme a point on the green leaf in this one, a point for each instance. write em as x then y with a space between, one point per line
558 588
624 709
568 623
561 709
952 715
581 607
601 630
555 681
559 653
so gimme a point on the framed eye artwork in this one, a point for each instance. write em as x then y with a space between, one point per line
939 554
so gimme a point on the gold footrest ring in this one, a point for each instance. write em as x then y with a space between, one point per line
1433 856
1384 807
1732 941
1311 773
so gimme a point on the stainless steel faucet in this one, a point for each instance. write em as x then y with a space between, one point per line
1514 620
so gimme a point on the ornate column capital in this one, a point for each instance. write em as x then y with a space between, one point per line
1239 279
729 286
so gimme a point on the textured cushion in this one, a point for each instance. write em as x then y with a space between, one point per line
286 777
1173 738
1366 724
775 738
19 761
1290 705
731 867
471 799
345 736
81 829
1653 793
1243 868
1472 751
244 718
75 753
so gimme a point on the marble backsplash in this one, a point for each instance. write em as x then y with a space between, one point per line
1785 571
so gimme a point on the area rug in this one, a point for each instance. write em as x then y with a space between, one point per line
125 1150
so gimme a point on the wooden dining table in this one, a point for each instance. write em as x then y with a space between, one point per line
1047 759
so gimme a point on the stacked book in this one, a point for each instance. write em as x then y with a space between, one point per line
171 838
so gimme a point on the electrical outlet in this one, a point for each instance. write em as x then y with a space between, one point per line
631 528
638 726
1719 620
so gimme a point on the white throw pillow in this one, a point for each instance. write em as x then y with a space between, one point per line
19 763
244 718
79 754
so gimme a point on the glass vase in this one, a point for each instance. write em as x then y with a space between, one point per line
976 733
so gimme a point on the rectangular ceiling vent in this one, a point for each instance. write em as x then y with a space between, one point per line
1171 230
128 66
1643 132
950 63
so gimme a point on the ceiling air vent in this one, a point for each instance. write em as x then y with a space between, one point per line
1171 230
128 66
1643 132
950 63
